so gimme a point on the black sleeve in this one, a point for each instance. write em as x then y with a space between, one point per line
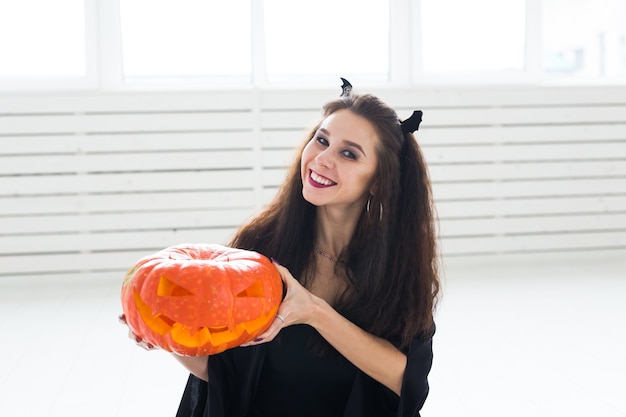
370 398
233 376
202 399
415 383
194 400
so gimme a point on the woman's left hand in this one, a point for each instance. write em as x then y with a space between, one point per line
375 356
296 308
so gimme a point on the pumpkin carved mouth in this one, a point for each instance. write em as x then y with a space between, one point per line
190 337
193 307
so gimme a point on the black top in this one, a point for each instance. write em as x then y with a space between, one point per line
295 381
273 378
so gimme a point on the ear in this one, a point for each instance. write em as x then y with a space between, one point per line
374 188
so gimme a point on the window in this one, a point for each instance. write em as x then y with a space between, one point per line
186 40
478 35
113 44
325 38
42 38
584 38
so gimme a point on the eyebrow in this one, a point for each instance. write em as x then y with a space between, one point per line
348 142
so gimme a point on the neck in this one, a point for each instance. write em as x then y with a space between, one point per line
333 232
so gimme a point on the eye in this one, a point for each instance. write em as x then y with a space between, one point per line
349 154
322 141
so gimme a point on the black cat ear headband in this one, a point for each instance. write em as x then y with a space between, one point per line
409 125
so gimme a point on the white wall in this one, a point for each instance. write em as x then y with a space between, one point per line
93 181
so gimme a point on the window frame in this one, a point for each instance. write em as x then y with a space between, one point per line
87 82
104 57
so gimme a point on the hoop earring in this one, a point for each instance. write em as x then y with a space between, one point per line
380 213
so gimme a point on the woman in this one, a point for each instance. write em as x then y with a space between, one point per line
352 232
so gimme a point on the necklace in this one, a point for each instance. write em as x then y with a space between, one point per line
325 255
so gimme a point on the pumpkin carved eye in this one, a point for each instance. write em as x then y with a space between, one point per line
254 290
167 288
194 304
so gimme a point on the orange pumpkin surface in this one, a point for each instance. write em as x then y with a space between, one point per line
201 299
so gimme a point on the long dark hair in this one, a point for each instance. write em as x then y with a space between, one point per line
391 264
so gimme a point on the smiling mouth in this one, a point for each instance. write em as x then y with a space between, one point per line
318 179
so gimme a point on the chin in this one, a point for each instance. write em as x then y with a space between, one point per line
308 198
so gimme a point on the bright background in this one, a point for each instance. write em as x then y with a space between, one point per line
100 44
128 125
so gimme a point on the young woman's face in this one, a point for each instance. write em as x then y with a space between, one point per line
339 163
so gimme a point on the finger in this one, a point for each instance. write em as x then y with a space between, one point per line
285 275
269 334
280 268
281 319
145 345
140 342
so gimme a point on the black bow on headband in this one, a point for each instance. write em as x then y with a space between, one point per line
346 88
409 125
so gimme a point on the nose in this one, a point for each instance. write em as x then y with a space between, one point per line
325 158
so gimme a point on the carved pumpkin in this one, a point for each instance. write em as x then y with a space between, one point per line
201 299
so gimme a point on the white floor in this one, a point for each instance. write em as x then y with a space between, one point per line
515 338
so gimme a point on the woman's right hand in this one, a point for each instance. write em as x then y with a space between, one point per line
197 365
139 341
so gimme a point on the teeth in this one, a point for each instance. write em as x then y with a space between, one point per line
320 180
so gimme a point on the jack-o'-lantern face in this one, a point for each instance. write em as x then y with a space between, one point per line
201 299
